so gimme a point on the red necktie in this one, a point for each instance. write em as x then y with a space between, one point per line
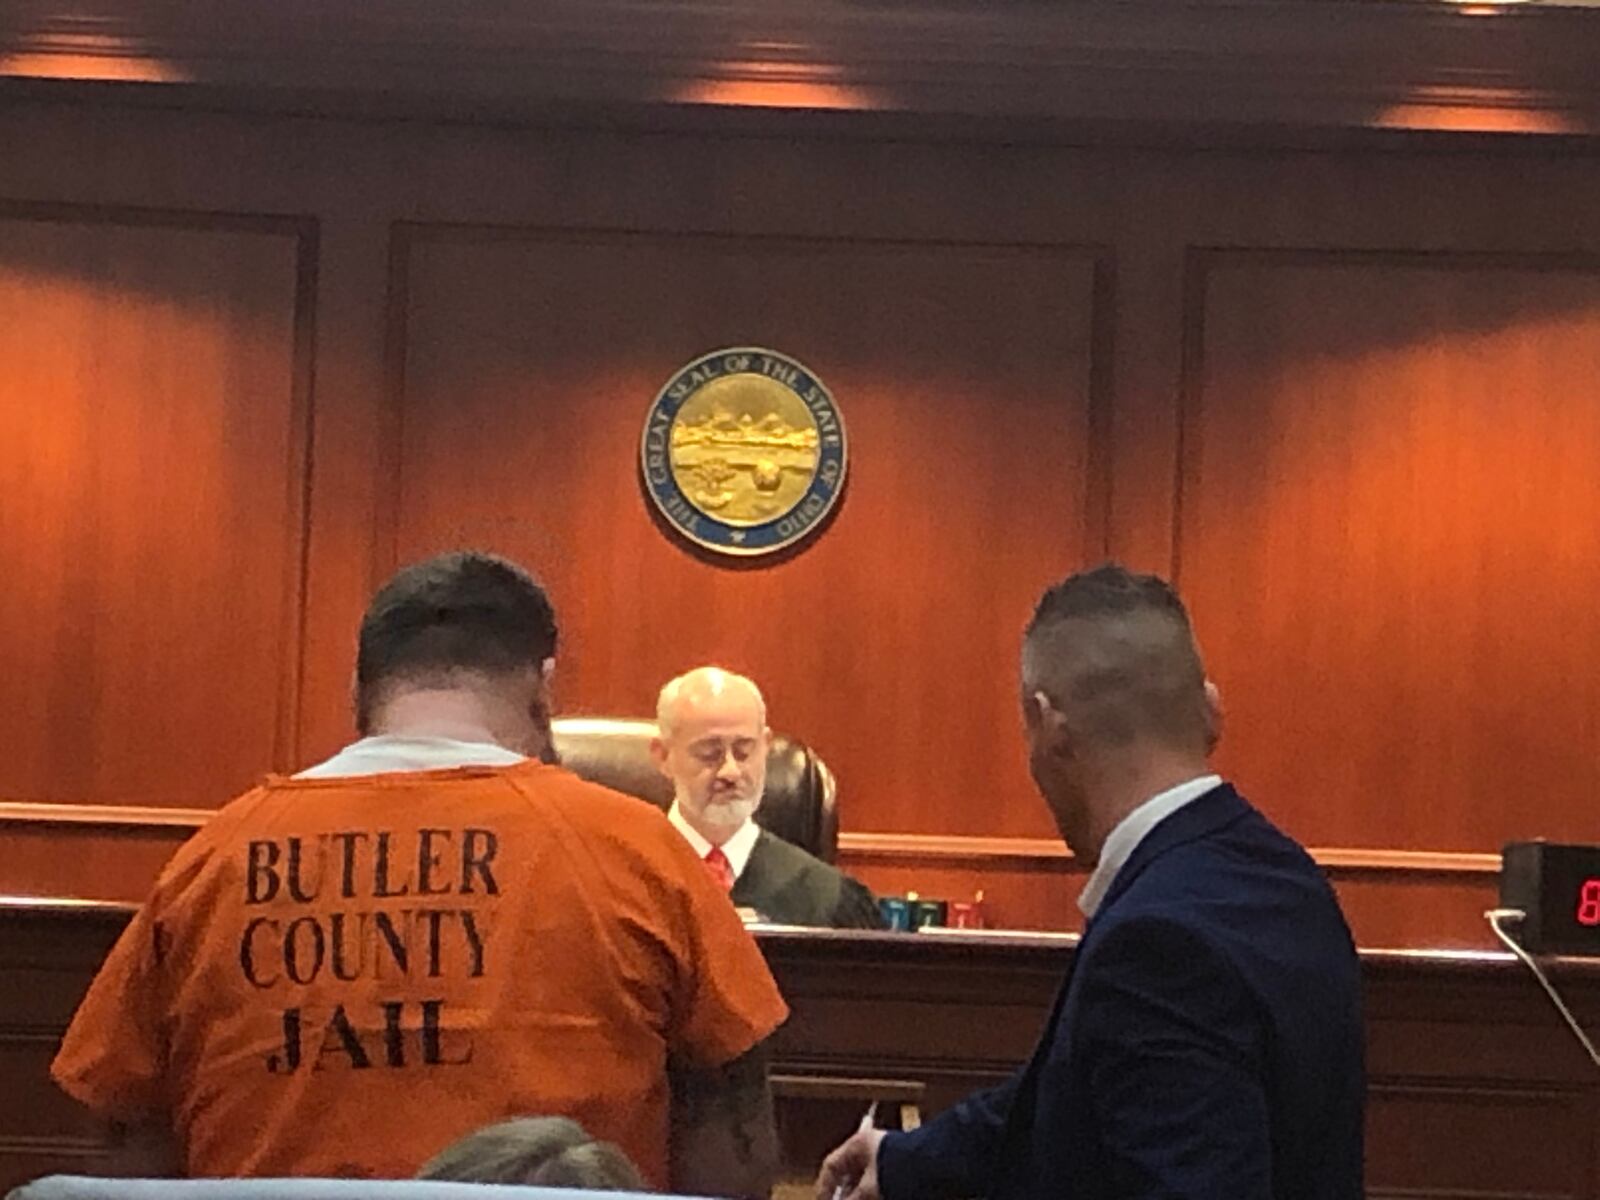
719 866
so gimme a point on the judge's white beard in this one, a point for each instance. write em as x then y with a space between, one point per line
726 817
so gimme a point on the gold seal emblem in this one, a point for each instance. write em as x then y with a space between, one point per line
744 451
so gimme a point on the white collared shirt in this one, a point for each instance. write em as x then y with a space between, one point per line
737 848
1132 830
385 753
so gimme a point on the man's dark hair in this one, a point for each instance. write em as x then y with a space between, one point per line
1107 590
541 1151
459 612
1115 651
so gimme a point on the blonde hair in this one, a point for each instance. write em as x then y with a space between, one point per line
538 1151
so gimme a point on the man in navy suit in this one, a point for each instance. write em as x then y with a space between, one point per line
1207 1041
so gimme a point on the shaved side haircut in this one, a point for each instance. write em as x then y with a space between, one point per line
1115 654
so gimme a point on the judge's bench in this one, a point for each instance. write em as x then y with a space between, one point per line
1476 1088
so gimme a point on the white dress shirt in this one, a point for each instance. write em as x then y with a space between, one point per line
1132 830
737 848
384 753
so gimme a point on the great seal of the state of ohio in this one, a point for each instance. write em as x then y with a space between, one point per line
744 451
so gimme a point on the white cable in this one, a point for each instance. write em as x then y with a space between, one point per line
1495 916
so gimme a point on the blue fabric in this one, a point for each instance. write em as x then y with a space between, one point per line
1206 1043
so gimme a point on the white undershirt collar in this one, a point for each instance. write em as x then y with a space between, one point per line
1132 830
385 753
737 848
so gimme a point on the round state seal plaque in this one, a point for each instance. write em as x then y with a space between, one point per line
744 451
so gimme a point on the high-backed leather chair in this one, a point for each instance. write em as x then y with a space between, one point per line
798 804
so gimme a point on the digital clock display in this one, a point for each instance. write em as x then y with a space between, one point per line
1588 913
1558 888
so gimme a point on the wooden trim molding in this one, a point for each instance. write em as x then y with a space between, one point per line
65 906
1047 854
979 853
1427 862
103 816
1017 853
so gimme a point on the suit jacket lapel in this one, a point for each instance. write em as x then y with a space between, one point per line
1200 817
1020 1118
1203 816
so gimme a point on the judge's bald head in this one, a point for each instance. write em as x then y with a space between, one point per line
712 743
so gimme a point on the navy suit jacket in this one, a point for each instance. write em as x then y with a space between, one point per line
1207 1041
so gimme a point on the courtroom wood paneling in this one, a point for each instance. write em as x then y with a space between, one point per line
1417 908
1387 532
1442 1141
1101 233
1386 906
531 357
89 862
153 431
1370 467
43 1130
115 854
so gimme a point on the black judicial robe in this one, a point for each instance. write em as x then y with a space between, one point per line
790 887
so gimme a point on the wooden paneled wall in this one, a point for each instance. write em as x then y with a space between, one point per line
1346 396
155 383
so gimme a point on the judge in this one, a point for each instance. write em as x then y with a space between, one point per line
712 744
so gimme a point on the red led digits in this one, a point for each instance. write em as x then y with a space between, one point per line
1589 903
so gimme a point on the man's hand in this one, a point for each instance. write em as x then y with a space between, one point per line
851 1171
